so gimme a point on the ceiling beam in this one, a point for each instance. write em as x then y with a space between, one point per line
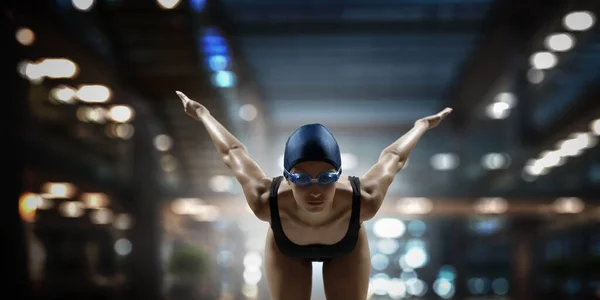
299 92
534 207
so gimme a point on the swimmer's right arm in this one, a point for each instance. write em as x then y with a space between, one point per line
254 181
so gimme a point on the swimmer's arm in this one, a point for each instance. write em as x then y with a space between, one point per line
234 154
376 182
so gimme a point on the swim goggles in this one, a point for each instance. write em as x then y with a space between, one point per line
303 179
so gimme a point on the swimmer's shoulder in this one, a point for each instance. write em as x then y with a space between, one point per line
343 186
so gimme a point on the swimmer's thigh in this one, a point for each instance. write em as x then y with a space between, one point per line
288 278
347 278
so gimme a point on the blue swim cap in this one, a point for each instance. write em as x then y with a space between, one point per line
312 142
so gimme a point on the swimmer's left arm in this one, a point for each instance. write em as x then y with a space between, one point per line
375 182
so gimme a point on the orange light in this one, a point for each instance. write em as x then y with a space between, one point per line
28 204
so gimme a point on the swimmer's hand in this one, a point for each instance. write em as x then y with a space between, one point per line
435 120
191 107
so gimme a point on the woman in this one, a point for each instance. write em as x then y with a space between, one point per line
315 214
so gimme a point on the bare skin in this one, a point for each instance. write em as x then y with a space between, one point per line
314 214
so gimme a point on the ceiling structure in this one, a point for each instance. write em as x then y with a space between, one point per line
365 69
368 69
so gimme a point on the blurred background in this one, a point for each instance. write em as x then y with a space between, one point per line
120 195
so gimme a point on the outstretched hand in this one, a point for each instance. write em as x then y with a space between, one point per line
191 107
435 120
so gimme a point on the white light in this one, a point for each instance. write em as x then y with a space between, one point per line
536 169
584 139
124 131
543 60
550 159
95 200
579 20
123 247
63 94
491 206
497 110
163 142
220 183
252 259
93 93
509 98
526 176
416 287
22 67
71 209
396 289
101 216
58 68
387 246
379 262
83 5
207 213
168 4
25 36
443 288
388 228
568 205
595 127
560 42
495 161
123 222
535 76
381 284
414 206
252 276
569 147
58 190
33 72
248 112
576 143
416 257
445 161
120 113
250 291
186 206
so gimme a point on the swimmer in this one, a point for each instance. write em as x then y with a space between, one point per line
315 214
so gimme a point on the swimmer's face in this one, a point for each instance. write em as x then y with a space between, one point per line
314 197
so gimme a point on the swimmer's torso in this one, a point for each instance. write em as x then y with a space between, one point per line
330 236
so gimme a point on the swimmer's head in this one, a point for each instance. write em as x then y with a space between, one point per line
312 165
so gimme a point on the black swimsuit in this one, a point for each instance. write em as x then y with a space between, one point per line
316 252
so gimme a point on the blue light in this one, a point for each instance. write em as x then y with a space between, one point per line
214 40
448 273
197 5
218 62
215 49
224 79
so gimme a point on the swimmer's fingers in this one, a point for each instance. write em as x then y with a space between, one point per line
183 97
445 112
191 107
434 120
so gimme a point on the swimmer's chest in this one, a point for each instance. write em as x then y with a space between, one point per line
329 233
